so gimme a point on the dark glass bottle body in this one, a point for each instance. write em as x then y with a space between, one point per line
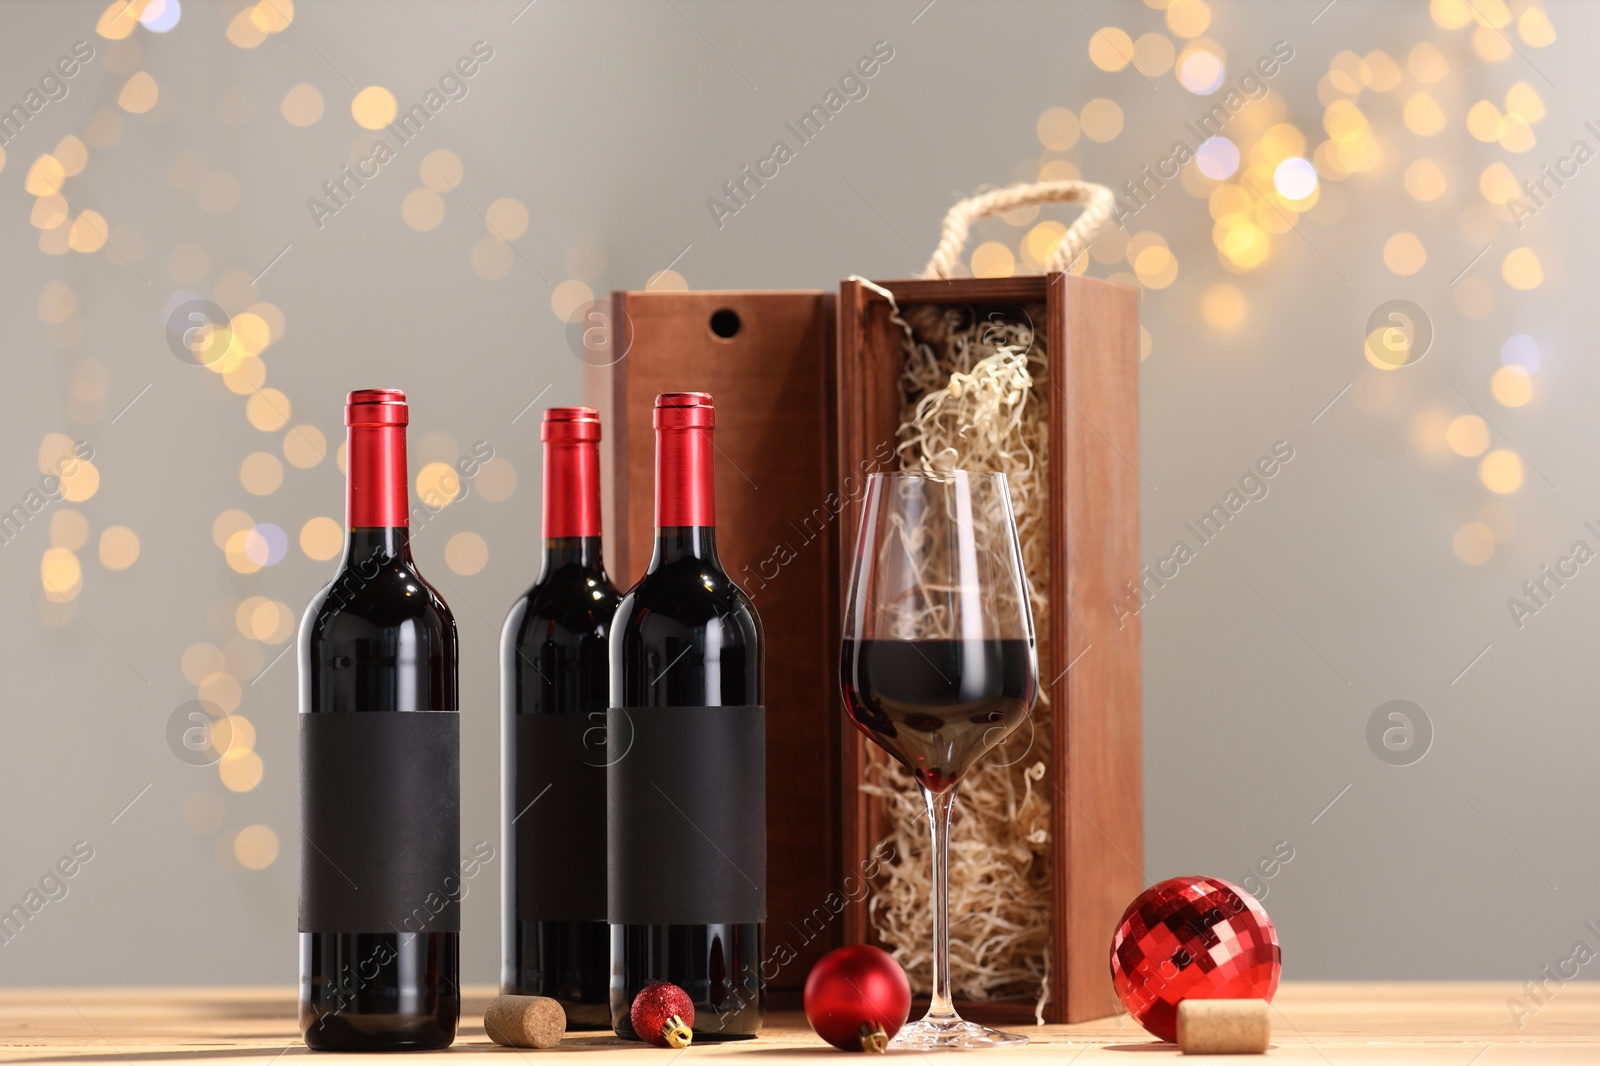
555 662
378 640
686 636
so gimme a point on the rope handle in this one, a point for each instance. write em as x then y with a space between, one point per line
1098 201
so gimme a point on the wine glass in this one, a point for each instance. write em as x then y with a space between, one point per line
938 666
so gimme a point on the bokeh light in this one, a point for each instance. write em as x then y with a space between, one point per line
1511 386
261 473
438 485
1217 158
466 553
1501 471
321 538
1467 435
373 107
256 847
1473 543
1520 350
119 547
302 105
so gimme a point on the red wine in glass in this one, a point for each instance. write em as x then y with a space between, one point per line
938 705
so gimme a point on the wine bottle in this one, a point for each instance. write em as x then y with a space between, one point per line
686 784
379 772
555 678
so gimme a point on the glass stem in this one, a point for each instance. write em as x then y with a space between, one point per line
940 804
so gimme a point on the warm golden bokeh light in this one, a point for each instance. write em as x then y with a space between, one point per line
569 298
1512 386
491 259
61 575
1427 429
1467 435
119 547
496 480
261 473
1188 18
1110 48
305 447
139 94
1153 54
242 773
1224 306
507 218
256 847
1423 115
440 170
268 410
302 105
1101 119
993 260
1473 543
373 107
422 209
1403 253
200 661
1425 181
466 553
1501 471
1056 128
1155 267
438 484
321 538
1522 269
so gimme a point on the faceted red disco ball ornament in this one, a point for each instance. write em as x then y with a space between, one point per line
1192 938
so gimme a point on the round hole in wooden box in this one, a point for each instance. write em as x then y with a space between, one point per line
725 323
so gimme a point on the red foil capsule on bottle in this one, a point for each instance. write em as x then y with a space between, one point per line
571 438
375 459
685 460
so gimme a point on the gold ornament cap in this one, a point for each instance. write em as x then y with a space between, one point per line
675 1032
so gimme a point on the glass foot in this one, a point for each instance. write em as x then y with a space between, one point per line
951 1034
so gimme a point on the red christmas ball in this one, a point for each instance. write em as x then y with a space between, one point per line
857 997
663 1015
1192 938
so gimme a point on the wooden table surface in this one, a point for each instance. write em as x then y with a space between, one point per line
1465 1024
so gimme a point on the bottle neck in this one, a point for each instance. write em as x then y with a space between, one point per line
582 552
571 490
685 542
367 546
376 498
685 493
686 514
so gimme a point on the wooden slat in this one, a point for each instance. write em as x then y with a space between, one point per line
1094 489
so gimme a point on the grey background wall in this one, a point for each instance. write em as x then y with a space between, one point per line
1378 566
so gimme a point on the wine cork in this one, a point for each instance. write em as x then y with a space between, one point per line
1223 1026
525 1021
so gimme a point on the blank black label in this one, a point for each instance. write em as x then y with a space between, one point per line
686 810
380 810
559 817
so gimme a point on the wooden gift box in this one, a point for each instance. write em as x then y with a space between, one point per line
1095 770
806 400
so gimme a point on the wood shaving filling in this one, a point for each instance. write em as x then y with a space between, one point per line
976 398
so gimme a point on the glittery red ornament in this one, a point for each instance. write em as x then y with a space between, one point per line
662 1014
857 997
1192 938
